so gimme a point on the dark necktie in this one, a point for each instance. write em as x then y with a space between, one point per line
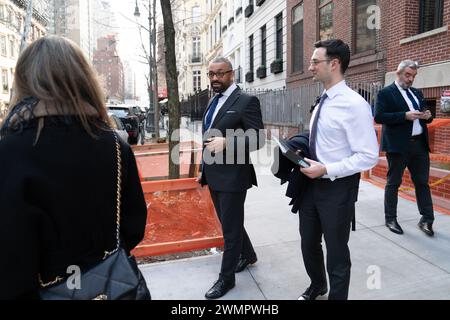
411 98
313 133
211 109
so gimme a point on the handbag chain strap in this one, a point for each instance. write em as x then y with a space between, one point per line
118 202
118 192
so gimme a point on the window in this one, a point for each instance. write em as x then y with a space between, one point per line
196 14
5 84
3 45
220 24
263 46
431 15
297 38
196 80
279 36
211 37
252 53
196 47
12 46
365 37
215 31
326 19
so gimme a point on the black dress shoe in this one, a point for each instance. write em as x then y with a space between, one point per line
219 289
312 293
426 227
244 262
394 226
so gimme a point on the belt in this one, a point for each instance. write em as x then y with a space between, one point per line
415 138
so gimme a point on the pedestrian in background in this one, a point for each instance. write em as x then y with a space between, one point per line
228 181
402 111
342 143
58 172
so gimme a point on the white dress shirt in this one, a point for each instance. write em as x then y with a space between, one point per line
222 100
346 142
417 128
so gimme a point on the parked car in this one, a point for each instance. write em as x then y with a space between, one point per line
118 126
132 119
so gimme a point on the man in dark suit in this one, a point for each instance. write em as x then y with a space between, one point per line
232 128
402 111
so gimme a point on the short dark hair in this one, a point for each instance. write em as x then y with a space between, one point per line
336 49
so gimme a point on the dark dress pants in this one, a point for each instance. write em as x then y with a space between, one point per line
327 209
417 160
230 210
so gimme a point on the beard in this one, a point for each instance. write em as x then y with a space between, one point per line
218 87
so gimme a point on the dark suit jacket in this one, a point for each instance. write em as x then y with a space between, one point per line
287 171
390 110
240 111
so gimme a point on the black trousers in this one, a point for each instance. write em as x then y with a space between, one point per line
327 209
417 160
230 210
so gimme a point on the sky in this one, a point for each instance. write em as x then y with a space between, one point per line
130 47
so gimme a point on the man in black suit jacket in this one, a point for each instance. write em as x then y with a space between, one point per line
402 111
232 126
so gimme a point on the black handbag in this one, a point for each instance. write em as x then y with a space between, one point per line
116 277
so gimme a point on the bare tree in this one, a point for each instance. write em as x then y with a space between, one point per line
172 90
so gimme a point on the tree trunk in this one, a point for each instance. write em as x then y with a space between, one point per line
172 91
155 73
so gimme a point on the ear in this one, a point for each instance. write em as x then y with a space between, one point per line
335 64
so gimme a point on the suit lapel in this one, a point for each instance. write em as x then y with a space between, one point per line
227 105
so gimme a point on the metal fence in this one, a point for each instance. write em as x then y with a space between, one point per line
194 106
285 107
292 107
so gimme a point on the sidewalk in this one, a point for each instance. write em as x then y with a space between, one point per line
411 266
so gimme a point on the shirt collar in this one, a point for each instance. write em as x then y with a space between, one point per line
230 90
400 87
336 89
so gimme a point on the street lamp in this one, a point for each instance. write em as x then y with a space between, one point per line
151 114
137 14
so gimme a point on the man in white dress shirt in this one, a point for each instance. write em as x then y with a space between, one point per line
342 144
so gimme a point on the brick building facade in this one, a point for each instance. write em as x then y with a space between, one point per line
108 65
416 30
368 63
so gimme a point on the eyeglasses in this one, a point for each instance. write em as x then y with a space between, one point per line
219 74
316 62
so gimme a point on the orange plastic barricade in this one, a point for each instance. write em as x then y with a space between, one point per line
181 217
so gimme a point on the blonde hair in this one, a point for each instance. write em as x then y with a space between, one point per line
55 70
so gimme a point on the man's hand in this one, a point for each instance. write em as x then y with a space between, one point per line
413 115
216 144
316 170
199 178
426 115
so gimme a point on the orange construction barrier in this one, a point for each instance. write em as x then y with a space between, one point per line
181 217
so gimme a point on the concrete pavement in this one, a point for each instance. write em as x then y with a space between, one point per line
384 265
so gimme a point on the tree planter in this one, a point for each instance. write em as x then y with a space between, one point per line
249 76
261 72
276 66
181 217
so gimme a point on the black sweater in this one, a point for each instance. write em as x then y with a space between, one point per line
58 203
